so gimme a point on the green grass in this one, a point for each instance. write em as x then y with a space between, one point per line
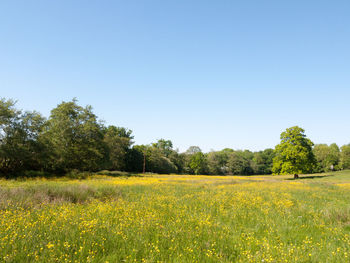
171 218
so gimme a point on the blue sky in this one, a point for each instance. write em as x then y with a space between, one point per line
210 73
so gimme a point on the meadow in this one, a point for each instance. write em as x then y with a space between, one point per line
176 218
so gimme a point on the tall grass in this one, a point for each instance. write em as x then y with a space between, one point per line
26 197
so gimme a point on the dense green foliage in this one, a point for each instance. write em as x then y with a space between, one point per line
294 154
20 145
328 157
117 141
345 156
73 139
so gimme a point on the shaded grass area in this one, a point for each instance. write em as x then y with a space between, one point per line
307 177
74 174
117 174
35 195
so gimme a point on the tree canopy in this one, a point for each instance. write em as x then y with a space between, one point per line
328 157
73 138
294 154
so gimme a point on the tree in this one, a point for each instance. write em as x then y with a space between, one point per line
20 148
75 137
165 146
9 118
239 163
294 153
328 157
166 149
156 162
217 162
193 150
118 141
198 163
228 161
178 160
34 149
345 157
134 159
262 161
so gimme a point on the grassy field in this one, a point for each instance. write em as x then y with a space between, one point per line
175 218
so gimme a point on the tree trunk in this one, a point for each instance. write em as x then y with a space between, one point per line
296 176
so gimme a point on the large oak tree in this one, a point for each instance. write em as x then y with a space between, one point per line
294 153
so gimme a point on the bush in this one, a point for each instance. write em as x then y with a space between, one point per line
76 174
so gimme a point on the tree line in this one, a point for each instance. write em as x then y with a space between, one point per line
74 139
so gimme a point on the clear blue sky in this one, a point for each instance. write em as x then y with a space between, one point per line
210 73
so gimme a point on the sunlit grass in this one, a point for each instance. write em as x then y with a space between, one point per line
173 218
